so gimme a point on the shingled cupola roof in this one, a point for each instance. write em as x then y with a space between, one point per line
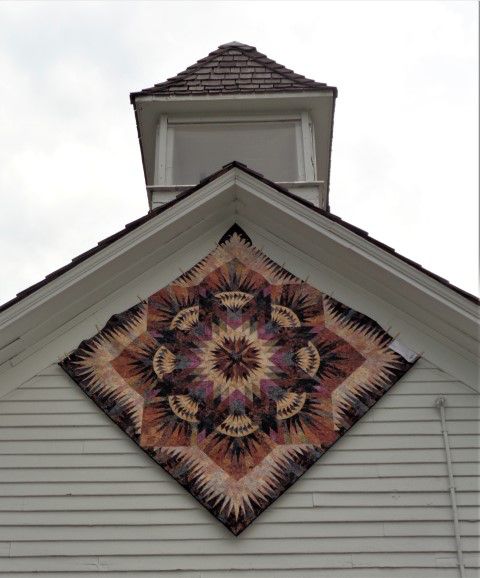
234 68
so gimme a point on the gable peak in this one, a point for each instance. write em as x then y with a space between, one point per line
236 44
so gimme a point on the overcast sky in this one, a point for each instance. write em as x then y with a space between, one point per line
405 147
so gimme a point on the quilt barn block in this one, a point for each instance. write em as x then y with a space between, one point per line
237 377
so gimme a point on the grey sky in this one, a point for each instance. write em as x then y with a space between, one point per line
405 146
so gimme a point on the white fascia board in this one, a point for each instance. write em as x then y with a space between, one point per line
33 310
352 291
450 325
362 247
327 93
231 196
167 267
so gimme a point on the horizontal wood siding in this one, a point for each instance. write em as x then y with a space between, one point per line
77 497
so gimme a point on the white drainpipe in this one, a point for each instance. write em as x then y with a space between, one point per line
440 403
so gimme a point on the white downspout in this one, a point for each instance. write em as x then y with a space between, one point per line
441 403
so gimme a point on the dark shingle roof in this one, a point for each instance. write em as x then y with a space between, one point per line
153 213
234 68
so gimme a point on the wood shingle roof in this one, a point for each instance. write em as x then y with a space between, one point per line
234 68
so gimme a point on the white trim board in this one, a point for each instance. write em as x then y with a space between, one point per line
163 224
58 343
430 316
327 93
417 336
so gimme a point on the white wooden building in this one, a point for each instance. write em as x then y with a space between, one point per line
78 498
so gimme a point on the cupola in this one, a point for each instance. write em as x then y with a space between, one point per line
236 104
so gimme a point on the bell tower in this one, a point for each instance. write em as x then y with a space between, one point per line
236 104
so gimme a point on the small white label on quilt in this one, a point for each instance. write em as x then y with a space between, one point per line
403 350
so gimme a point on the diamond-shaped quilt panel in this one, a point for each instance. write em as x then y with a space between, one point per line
237 377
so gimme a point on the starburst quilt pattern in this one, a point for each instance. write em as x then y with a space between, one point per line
237 377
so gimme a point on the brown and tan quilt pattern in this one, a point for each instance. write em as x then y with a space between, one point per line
237 377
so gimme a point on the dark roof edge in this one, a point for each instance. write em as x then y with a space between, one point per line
234 164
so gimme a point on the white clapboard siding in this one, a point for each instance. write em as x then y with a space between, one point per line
78 497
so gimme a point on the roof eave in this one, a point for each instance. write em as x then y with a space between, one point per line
211 178
251 190
165 96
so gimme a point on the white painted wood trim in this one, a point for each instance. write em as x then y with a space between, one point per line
309 159
359 244
415 334
57 343
231 118
114 250
301 163
168 153
161 148
237 191
326 94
